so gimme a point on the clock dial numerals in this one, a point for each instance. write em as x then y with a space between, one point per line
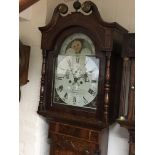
66 96
74 100
59 78
60 88
92 92
93 81
85 100
76 80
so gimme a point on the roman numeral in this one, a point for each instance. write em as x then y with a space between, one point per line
85 100
66 96
93 81
91 92
59 78
74 100
60 88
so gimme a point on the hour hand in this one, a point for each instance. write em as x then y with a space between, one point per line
75 81
85 76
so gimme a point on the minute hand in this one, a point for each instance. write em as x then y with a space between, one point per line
69 64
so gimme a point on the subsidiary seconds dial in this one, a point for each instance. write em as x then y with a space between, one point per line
76 80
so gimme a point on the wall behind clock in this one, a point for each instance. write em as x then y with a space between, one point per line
33 128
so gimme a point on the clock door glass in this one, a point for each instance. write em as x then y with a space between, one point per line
76 74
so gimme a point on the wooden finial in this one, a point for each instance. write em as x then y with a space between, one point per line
86 6
77 5
63 8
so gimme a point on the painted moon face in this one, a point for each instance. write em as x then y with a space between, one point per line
76 44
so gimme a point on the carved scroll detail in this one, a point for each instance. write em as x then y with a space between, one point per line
42 88
107 89
89 6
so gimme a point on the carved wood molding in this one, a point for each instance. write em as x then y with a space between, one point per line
89 12
107 89
24 4
42 89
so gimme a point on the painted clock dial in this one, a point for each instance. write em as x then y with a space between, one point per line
77 73
78 43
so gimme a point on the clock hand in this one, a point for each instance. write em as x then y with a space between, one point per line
85 76
75 81
69 64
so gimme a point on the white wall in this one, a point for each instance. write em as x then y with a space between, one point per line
33 128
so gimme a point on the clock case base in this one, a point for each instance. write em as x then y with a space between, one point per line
73 140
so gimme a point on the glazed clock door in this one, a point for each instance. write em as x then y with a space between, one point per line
77 73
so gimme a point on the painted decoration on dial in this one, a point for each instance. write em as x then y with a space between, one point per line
77 73
78 43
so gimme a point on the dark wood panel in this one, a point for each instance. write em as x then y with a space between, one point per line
73 140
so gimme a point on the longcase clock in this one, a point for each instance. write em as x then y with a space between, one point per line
81 78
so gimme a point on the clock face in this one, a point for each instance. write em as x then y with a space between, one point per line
76 74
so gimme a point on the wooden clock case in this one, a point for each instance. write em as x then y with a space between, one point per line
75 129
127 96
